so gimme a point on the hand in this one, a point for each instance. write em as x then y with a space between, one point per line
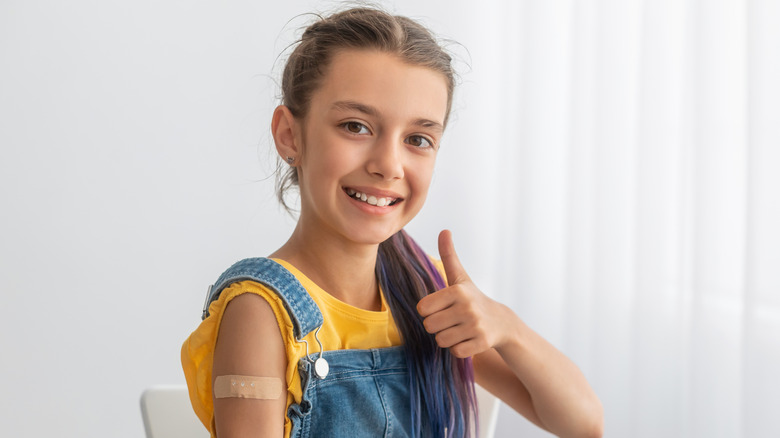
460 315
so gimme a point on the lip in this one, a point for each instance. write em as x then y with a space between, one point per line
371 191
373 209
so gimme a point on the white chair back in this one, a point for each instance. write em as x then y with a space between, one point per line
167 413
488 406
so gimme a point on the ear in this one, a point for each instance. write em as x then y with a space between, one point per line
285 129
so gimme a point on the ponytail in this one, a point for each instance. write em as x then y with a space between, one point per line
442 386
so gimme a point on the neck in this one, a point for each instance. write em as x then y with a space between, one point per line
345 270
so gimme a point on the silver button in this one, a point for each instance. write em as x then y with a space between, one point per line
321 368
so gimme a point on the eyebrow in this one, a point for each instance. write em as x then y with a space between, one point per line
347 105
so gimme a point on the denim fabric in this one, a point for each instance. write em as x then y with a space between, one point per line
303 311
365 394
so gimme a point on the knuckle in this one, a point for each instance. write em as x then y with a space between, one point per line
459 351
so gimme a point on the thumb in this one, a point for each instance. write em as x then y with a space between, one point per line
452 267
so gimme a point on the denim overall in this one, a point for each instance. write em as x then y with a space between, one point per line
346 393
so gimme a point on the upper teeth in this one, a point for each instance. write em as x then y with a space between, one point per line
373 200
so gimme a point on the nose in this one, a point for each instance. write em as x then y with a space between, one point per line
385 160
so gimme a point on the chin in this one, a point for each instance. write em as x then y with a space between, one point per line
373 237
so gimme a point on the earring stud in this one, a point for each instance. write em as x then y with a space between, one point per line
290 160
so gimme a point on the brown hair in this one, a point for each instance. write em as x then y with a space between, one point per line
442 397
358 28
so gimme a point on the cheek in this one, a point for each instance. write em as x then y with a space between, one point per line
421 176
332 153
321 162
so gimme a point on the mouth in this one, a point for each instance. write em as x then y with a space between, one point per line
378 201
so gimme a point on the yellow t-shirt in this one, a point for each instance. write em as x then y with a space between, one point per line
344 327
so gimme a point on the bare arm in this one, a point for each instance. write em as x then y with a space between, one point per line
540 382
510 360
249 344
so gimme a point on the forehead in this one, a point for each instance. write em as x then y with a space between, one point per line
383 81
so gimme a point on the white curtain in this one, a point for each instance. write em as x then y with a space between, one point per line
636 149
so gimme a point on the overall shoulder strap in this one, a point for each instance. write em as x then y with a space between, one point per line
303 311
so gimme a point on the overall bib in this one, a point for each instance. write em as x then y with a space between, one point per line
346 393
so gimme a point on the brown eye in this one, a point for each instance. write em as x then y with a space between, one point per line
356 128
419 141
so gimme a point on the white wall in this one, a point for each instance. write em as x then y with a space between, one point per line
134 158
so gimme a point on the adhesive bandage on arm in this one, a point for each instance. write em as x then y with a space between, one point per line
262 388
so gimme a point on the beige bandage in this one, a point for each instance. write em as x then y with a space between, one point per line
263 388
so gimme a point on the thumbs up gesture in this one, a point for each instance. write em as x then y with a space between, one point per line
463 318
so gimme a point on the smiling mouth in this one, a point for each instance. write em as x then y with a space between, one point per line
378 201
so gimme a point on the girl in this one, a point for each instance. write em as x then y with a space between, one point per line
340 332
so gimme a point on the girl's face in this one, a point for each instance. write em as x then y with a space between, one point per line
369 145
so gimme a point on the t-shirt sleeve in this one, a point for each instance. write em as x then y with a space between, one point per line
197 353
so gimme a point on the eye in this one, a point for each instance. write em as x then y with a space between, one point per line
419 141
355 128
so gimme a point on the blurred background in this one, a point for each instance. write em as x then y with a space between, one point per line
610 171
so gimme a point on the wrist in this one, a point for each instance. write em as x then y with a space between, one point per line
513 330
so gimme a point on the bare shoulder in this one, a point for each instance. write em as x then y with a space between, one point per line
250 343
248 334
